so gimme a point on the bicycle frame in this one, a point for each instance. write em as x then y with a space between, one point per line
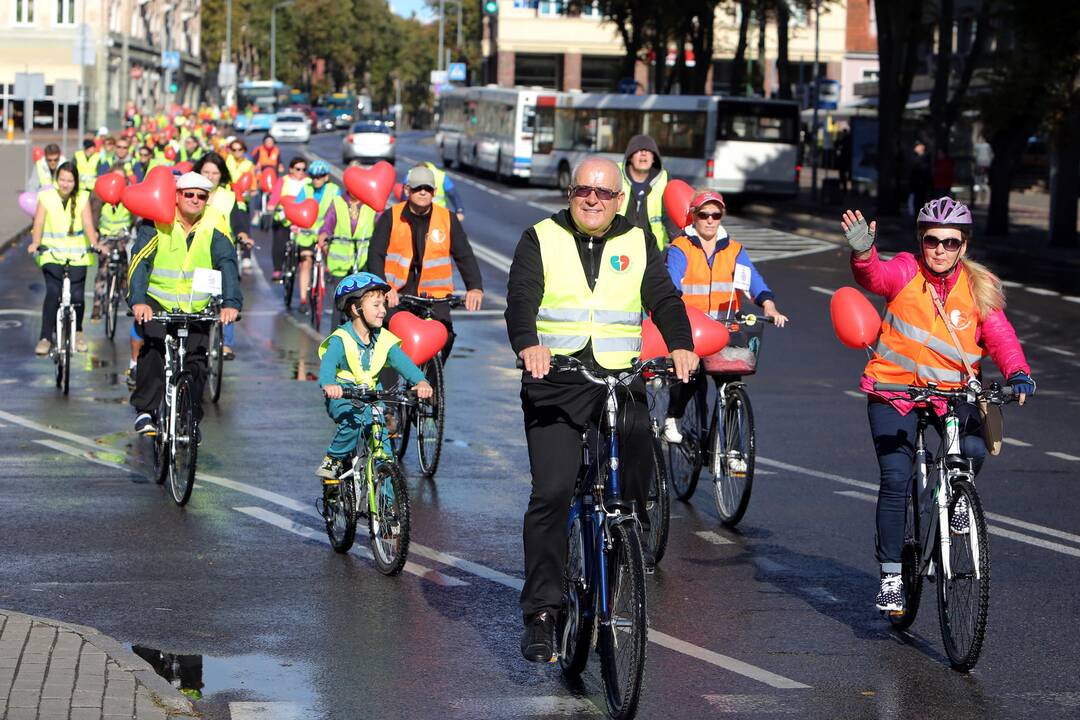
373 450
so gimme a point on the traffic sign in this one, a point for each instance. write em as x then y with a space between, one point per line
170 59
30 86
226 74
66 92
457 72
439 77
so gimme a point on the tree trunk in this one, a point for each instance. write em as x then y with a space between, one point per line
759 66
659 45
1065 177
939 98
738 65
703 49
1008 146
783 66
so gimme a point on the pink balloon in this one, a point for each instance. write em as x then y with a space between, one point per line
28 202
855 321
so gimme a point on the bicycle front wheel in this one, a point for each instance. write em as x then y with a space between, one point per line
622 642
215 362
389 524
964 596
318 290
64 378
431 419
658 504
733 456
339 511
184 440
685 458
161 448
288 276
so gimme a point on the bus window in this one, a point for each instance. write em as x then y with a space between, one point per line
574 129
757 123
677 134
615 128
544 131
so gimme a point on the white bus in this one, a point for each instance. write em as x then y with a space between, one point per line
736 145
487 129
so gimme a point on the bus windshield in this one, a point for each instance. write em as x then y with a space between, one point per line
757 122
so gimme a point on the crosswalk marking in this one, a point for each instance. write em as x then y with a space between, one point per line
764 243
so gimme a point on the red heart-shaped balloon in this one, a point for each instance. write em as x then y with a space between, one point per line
399 191
420 339
267 179
302 214
98 142
170 153
154 198
371 186
710 336
185 166
854 319
109 186
243 183
37 153
677 197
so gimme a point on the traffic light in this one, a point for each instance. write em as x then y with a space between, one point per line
173 87
491 7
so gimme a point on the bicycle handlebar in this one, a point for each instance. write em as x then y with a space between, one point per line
363 393
567 363
454 301
994 394
751 319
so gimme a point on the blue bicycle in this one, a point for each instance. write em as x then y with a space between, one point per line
604 596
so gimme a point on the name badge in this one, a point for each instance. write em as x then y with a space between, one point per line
206 281
742 277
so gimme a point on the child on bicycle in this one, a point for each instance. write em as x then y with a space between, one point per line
353 355
916 347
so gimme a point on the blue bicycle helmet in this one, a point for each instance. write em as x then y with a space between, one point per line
318 168
356 285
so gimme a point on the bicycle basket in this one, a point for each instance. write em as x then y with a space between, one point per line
740 356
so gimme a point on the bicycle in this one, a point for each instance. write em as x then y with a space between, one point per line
429 416
942 499
721 440
64 334
215 355
317 287
288 270
115 280
605 567
658 501
376 477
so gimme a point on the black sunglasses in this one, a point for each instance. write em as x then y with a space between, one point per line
584 191
709 215
423 188
932 241
193 195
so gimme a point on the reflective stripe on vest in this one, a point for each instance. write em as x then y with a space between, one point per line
440 184
347 250
609 316
654 204
709 289
62 236
175 264
436 272
914 346
115 220
355 372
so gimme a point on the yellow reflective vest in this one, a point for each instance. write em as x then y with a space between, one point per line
654 204
347 248
175 264
62 234
440 183
609 315
356 373
87 165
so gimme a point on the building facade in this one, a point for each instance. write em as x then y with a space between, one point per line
121 44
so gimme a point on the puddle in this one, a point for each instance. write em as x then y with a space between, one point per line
98 362
255 677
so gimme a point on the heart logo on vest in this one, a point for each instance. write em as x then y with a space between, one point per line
620 263
959 320
437 236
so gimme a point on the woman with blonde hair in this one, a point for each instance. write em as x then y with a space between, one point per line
939 285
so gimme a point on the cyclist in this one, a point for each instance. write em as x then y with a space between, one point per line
287 186
64 227
268 155
142 165
86 162
446 194
114 224
643 183
107 155
239 165
323 192
122 161
413 245
353 355
163 262
190 149
347 220
44 171
578 285
915 347
703 262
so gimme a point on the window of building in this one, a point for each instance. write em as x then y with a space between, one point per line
600 73
540 70
24 12
65 12
551 7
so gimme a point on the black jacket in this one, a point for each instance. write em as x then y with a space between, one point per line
525 289
460 249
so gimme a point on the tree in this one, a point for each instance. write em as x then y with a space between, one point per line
738 65
783 66
945 109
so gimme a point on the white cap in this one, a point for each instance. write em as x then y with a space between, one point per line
193 181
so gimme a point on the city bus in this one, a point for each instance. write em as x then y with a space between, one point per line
487 129
741 146
266 97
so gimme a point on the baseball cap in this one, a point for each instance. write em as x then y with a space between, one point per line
419 176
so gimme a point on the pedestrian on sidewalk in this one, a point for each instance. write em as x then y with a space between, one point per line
920 179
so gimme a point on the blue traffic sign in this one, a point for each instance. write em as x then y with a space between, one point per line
456 72
170 59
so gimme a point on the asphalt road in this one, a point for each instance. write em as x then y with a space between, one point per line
773 619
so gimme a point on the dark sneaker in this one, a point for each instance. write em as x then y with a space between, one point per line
890 599
960 518
144 424
537 639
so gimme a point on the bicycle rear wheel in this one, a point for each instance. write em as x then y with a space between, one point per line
112 300
288 276
339 512
733 456
964 597
185 447
685 458
658 504
389 524
318 290
621 644
911 562
431 419
215 361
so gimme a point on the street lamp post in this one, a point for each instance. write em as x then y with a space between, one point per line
817 90
273 36
228 50
442 29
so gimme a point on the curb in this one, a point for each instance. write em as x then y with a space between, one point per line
164 694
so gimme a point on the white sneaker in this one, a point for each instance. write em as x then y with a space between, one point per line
246 264
959 518
671 431
890 599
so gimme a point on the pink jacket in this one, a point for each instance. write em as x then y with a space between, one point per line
888 277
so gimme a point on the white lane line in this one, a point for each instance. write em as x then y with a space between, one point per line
821 593
823 291
272 518
84 454
1057 351
1071 298
1003 519
1014 441
1011 284
715 538
1042 291
728 663
268 711
16 311
492 257
731 704
855 394
1064 456
55 432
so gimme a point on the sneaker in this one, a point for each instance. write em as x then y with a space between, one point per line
227 353
537 639
890 599
144 424
43 346
129 378
246 264
329 469
737 466
671 431
960 518
80 342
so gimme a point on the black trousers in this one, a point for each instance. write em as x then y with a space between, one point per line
54 286
280 236
679 394
150 371
554 439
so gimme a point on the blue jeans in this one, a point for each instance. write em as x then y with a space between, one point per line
228 335
894 443
351 423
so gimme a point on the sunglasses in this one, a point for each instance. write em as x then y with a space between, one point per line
423 188
952 244
602 194
300 168
237 149
709 215
193 195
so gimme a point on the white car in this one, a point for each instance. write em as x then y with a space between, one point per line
291 127
368 142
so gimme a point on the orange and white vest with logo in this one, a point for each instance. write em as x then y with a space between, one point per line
914 346
709 289
436 272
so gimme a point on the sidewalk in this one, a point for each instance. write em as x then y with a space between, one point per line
13 221
50 670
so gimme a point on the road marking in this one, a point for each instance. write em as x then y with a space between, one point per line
1042 291
1057 351
770 566
272 518
714 538
855 394
1011 284
268 711
84 454
1014 441
492 257
743 704
55 432
823 291
821 593
1064 456
30 313
1071 298
728 663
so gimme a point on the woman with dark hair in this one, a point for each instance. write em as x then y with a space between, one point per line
286 187
64 232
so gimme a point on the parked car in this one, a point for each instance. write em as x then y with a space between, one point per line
343 117
323 121
368 142
291 127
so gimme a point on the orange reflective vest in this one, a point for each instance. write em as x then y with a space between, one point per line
914 346
267 158
436 272
709 289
